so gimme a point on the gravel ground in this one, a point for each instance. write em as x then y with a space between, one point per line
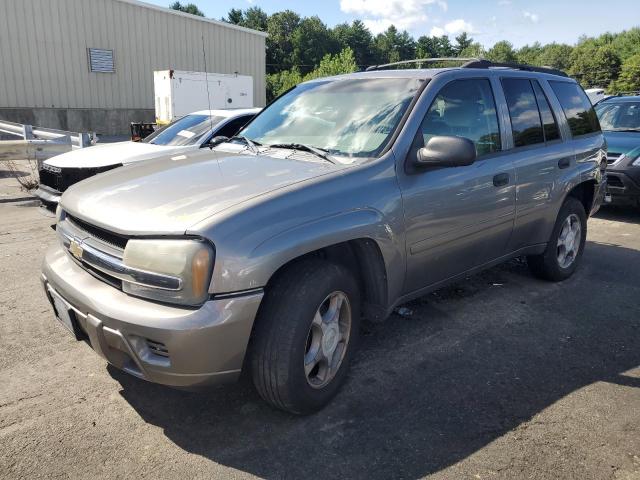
499 376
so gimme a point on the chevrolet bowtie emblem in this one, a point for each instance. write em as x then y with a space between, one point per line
75 249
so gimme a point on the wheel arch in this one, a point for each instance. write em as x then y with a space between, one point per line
585 193
363 257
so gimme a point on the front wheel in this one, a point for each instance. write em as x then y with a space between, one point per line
565 247
305 336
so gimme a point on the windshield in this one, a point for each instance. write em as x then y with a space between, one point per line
619 116
353 118
187 130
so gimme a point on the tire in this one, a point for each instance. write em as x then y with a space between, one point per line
549 265
288 333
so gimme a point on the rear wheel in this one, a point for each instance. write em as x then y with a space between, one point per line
305 336
564 250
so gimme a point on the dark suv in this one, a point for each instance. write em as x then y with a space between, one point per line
620 121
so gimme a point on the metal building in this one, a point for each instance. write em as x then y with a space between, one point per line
88 64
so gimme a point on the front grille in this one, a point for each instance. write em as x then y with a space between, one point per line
62 178
110 238
614 181
612 157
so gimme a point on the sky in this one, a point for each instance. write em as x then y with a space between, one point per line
518 21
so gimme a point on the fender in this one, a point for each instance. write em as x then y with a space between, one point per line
276 251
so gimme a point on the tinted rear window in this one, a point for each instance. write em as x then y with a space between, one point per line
577 108
551 130
523 110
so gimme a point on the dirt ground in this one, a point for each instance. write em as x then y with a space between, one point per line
499 376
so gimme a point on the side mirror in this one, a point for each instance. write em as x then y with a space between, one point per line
446 151
216 141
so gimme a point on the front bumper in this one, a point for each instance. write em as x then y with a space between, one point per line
164 344
48 196
624 187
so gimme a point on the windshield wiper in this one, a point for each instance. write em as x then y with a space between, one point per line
253 146
623 130
318 152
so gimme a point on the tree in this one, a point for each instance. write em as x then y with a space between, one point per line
235 16
188 8
255 18
556 55
392 46
530 54
502 52
444 47
311 42
627 43
343 62
280 27
462 41
593 65
427 47
475 50
358 38
629 79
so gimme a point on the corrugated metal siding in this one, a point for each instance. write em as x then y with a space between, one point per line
44 61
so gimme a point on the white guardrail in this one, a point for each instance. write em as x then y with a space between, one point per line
39 143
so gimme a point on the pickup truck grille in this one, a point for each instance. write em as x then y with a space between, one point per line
62 178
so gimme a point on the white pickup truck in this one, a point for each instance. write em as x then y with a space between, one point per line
188 133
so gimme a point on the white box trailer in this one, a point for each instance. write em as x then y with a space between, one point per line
178 93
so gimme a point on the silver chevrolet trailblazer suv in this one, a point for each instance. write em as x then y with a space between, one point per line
345 197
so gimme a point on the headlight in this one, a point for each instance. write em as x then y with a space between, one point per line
175 271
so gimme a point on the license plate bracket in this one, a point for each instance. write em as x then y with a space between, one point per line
65 315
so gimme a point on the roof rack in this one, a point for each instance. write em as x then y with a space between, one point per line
515 66
421 61
474 63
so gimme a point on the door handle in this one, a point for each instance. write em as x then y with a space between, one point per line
501 180
564 163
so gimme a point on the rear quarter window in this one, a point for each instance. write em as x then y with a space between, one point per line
577 108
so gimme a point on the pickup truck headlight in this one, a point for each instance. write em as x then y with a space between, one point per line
174 271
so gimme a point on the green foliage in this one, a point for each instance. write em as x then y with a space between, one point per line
556 55
280 27
299 47
312 41
188 8
392 46
593 65
629 79
358 38
463 41
475 50
343 62
502 52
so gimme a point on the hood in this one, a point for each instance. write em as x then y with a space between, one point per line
172 193
102 155
622 142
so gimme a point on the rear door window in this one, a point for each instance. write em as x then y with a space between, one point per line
577 108
464 108
549 123
523 110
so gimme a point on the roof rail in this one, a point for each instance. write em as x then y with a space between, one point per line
423 60
516 66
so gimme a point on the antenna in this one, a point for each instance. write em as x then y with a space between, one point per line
206 79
